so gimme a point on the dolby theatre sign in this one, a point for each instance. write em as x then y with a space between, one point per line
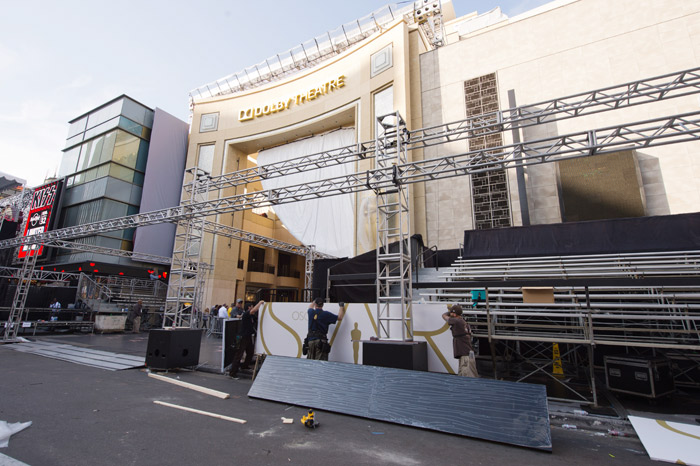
298 99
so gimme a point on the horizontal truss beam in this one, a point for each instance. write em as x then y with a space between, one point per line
76 246
672 85
650 133
39 275
259 240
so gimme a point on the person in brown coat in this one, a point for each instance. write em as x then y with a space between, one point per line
461 341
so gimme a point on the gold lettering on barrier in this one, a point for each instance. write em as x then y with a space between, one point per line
298 99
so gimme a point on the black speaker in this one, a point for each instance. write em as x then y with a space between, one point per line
411 355
170 349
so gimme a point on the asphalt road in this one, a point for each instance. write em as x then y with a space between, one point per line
89 416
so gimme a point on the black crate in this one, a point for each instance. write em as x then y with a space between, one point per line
411 355
650 378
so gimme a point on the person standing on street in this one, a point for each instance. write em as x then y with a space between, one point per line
244 340
319 320
55 308
461 341
135 315
237 310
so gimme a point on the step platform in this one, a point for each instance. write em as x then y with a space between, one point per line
505 412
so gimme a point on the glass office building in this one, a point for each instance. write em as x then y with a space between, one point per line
104 165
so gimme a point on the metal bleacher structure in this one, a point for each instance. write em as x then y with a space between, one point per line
592 307
583 314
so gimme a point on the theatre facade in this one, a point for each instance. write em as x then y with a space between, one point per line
330 96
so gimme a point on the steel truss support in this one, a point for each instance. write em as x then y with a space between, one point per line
309 252
39 275
394 290
78 246
650 133
428 15
678 84
187 273
311 255
541 367
672 85
24 281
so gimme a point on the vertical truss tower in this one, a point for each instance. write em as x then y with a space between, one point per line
24 281
394 291
187 273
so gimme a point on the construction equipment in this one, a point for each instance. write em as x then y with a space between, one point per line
309 421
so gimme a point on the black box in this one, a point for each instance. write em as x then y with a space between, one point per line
650 378
170 349
397 354
230 330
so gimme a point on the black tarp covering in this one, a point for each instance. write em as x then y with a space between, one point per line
319 280
8 230
625 235
358 289
40 296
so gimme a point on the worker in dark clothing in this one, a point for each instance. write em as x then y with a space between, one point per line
317 338
461 341
135 316
244 340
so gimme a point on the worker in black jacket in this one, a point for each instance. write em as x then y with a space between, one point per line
244 340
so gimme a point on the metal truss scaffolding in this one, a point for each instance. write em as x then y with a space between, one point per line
24 281
656 132
394 291
187 273
309 252
393 172
311 255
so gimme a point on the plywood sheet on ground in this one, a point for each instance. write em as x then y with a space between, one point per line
506 412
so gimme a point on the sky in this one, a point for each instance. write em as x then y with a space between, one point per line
59 60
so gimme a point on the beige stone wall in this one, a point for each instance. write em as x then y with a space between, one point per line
235 140
580 46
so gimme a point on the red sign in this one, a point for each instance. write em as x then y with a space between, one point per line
39 218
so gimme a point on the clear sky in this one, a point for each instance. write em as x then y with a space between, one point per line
60 59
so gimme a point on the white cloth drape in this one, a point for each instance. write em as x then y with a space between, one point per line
327 223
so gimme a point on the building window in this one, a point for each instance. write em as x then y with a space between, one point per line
256 259
205 158
490 199
383 105
284 264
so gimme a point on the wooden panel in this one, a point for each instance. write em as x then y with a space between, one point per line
506 412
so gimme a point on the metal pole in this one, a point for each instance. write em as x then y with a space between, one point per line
590 348
492 344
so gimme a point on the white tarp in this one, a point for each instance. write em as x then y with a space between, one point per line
327 223
7 430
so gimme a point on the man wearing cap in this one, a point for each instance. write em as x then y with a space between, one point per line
461 341
237 309
319 320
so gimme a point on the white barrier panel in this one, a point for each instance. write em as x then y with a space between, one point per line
282 328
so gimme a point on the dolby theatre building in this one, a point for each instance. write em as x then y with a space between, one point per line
435 68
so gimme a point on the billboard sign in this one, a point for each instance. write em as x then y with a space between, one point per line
43 205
